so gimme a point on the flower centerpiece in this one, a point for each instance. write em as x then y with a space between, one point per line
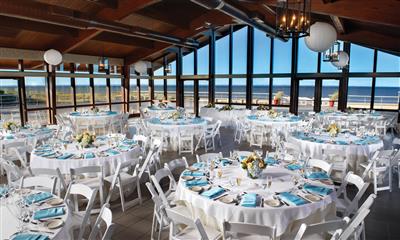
226 108
272 113
333 130
85 139
278 97
254 165
178 114
94 109
9 126
162 105
262 107
210 105
333 98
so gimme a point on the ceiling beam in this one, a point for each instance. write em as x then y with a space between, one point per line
338 23
105 3
124 40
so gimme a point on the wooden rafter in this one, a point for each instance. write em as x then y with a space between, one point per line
338 23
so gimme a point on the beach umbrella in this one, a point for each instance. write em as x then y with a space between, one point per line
322 36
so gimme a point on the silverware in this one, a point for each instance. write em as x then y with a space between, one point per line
40 231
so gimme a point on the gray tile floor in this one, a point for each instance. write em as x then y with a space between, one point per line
135 223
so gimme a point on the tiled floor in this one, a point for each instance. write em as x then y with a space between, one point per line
382 223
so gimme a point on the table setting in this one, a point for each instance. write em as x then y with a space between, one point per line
30 214
158 109
257 190
94 117
85 149
227 114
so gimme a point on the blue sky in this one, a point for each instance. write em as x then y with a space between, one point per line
361 60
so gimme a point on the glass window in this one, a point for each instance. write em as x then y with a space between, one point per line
306 95
222 55
361 59
330 91
9 100
144 89
159 89
240 51
282 56
116 93
359 92
188 96
261 91
133 88
173 68
239 90
82 91
387 62
64 92
202 60
328 67
262 52
281 86
187 64
100 87
36 92
387 93
171 89
159 71
307 59
221 90
203 93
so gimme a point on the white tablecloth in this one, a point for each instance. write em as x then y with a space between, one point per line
341 116
9 220
280 123
154 111
285 218
94 119
227 117
30 135
355 154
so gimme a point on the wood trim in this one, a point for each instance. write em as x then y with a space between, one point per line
108 88
22 95
91 86
230 88
249 67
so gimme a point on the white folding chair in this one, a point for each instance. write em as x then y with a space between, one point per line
91 176
351 230
79 219
338 159
180 164
208 157
61 184
161 174
194 228
15 151
292 148
257 135
14 173
322 230
321 164
142 141
345 205
40 182
185 141
236 230
105 216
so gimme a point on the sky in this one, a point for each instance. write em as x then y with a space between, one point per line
361 60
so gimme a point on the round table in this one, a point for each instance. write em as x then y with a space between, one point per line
67 155
156 111
226 116
286 218
29 134
360 117
171 128
357 149
281 122
9 221
84 120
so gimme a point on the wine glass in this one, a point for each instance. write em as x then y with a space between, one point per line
238 181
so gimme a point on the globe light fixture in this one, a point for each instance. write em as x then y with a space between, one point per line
141 67
343 60
52 57
293 18
332 54
322 37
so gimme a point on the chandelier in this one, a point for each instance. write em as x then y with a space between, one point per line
103 63
168 68
293 18
332 54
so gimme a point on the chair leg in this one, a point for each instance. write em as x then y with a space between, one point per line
121 195
153 224
375 183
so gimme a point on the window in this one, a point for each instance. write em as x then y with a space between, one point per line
387 62
282 56
281 85
82 91
327 66
36 92
262 52
144 89
100 87
9 100
187 64
188 96
171 89
159 89
361 59
159 71
116 93
306 95
239 90
202 60
330 89
307 59
173 69
359 92
63 92
387 93
239 62
221 90
203 93
261 91
133 88
222 55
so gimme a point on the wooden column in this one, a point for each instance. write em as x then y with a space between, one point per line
165 85
196 85
91 86
73 84
108 88
344 82
179 82
126 75
151 85
22 95
52 93
373 80
294 85
317 94
249 71
230 64
138 91
211 67
271 80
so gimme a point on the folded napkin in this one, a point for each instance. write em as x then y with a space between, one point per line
129 141
124 147
37 197
75 113
319 190
46 154
249 200
252 117
193 173
111 113
89 155
292 199
225 162
360 142
9 137
319 140
340 142
3 191
48 213
318 176
270 161
196 182
65 156
293 167
199 165
213 192
30 236
112 152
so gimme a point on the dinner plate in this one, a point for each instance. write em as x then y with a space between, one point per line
54 223
23 191
192 169
312 197
288 158
272 202
187 178
55 201
206 187
196 189
227 199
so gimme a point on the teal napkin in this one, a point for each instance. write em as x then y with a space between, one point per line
37 197
129 141
3 191
46 154
199 165
213 192
292 199
241 158
318 176
196 182
112 152
30 236
193 173
225 162
340 142
249 200
270 161
319 141
89 155
9 137
124 147
75 113
293 167
48 213
65 156
317 189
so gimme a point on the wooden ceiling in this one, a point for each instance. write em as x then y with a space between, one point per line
67 25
